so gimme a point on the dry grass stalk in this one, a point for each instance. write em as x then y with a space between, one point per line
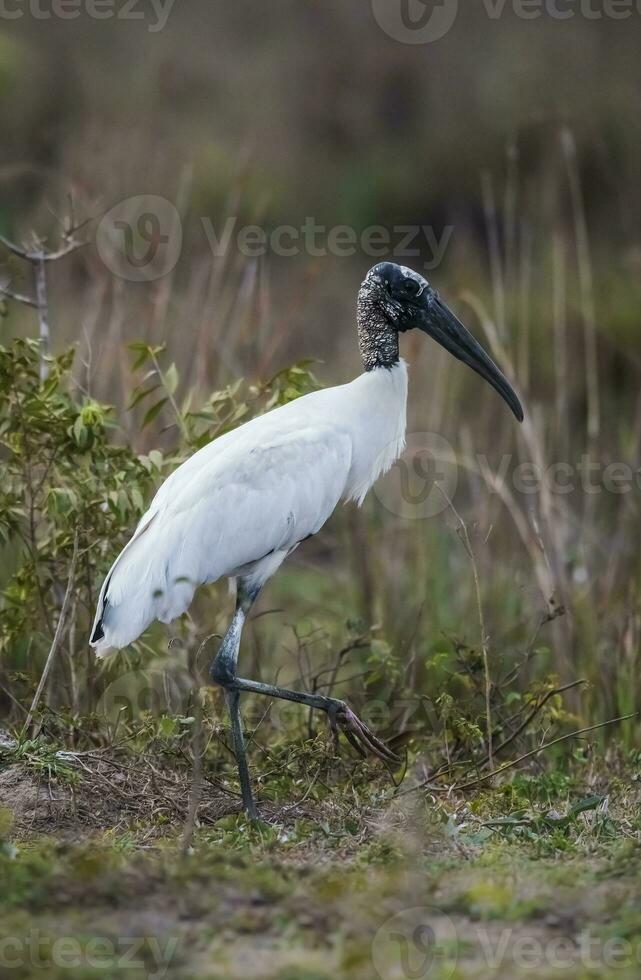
586 284
195 790
467 544
496 264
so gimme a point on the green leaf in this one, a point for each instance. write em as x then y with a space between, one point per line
143 351
171 379
80 432
587 803
140 394
153 412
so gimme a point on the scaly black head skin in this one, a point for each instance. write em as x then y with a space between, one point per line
394 299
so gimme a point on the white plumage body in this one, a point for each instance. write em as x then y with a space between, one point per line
242 503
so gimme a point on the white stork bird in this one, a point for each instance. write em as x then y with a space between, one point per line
242 504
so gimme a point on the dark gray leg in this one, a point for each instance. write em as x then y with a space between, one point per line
233 704
340 715
223 672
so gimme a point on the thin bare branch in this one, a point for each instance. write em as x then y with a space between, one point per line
56 639
43 317
459 787
21 253
195 792
538 707
40 254
18 297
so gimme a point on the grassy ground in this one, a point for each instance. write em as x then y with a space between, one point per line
535 877
356 872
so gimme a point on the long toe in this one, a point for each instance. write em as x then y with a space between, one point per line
359 736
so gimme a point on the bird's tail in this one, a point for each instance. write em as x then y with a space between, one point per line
137 591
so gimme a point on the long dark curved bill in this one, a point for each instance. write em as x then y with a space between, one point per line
441 324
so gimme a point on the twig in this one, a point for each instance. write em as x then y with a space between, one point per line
527 755
18 297
38 256
529 650
195 791
42 304
532 715
35 255
56 639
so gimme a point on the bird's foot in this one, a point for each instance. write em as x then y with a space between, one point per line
360 737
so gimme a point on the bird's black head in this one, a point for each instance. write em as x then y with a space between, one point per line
394 299
399 291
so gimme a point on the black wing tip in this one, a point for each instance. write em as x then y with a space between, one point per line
98 633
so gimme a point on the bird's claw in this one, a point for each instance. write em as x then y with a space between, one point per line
360 737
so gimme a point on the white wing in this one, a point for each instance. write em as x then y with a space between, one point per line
255 491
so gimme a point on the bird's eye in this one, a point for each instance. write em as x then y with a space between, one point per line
411 287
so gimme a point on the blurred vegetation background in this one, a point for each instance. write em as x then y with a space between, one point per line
523 138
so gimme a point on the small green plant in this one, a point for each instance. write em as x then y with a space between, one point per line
72 492
157 395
